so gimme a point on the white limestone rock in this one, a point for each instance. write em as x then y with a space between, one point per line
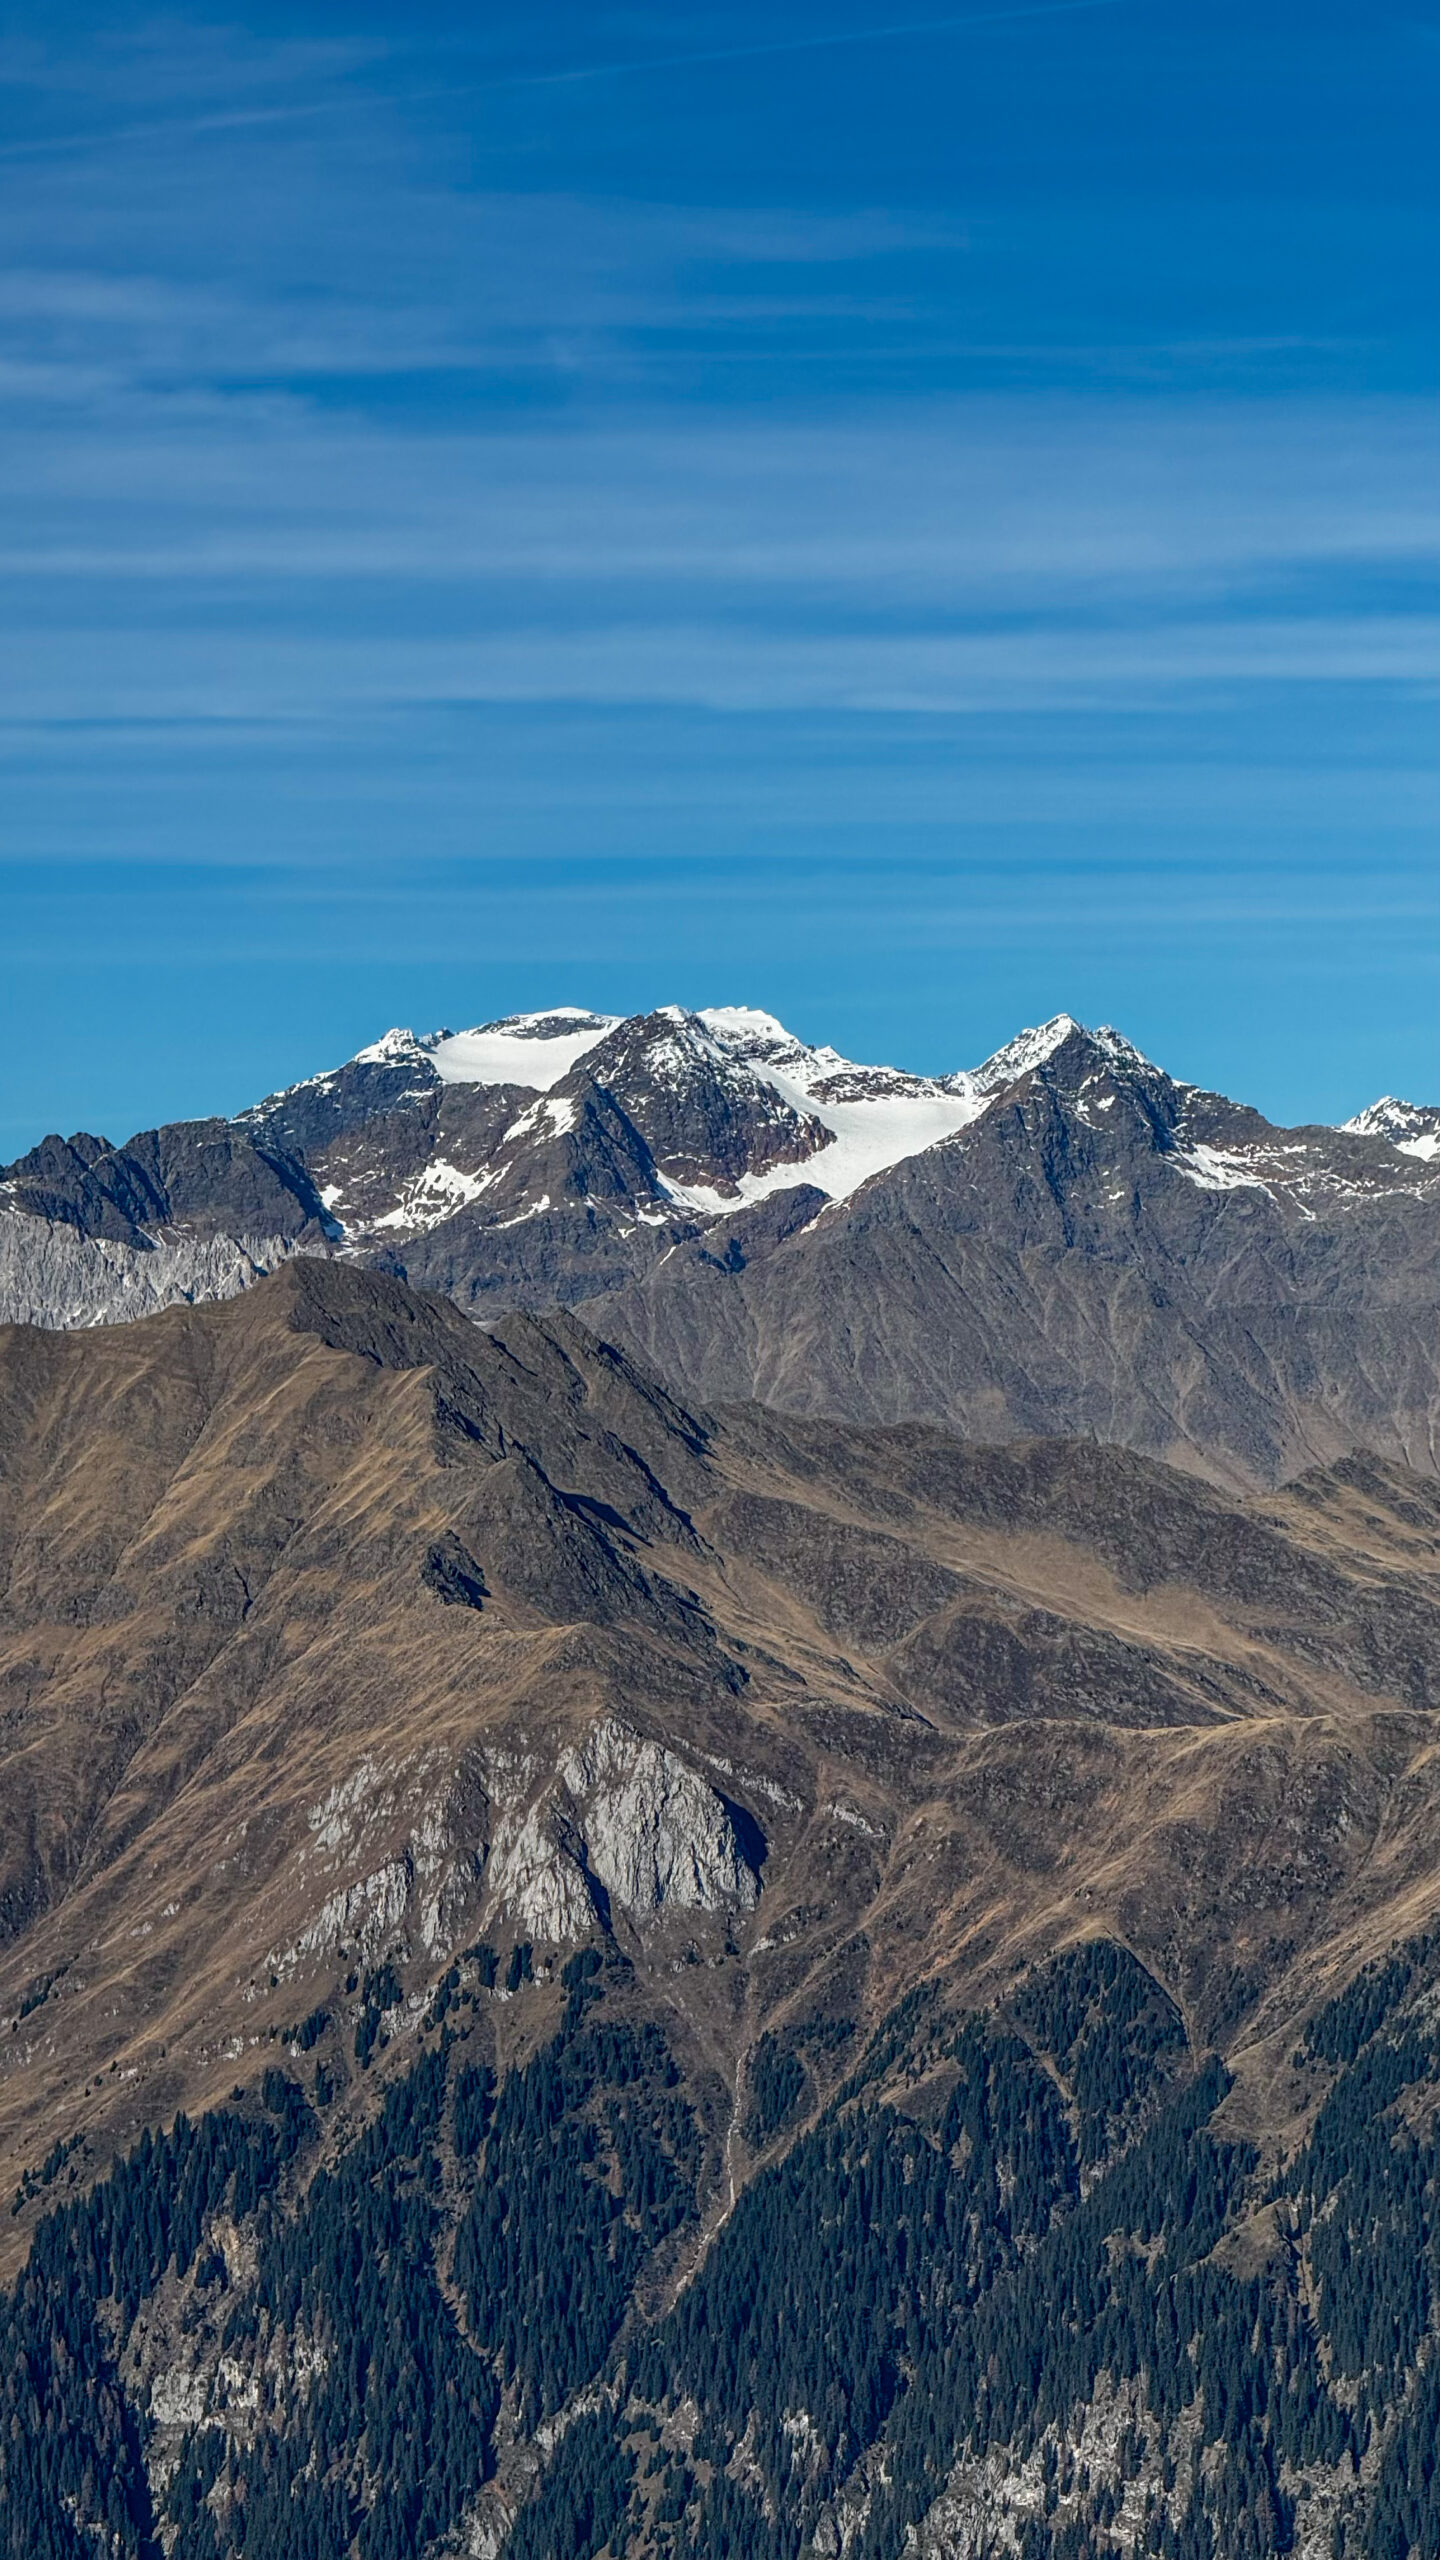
622 1825
626 1825
535 1872
654 1831
51 1275
430 1814
365 1916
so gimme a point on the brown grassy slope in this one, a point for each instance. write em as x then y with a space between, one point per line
976 1700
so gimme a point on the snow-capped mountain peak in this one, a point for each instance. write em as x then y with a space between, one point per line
728 1105
1122 1052
745 1026
1020 1056
1413 1127
569 1156
1030 1050
394 1048
765 1041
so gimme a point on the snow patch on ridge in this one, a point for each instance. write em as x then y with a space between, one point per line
1217 1169
867 1137
434 1195
544 1119
876 1116
533 1049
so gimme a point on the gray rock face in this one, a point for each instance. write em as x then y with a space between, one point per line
52 1274
210 1177
654 1832
624 1827
95 1234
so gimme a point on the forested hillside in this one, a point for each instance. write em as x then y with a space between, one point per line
1016 2288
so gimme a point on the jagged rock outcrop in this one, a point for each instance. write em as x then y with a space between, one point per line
655 1834
624 1829
53 1274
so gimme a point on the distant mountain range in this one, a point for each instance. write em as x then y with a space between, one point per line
1063 1239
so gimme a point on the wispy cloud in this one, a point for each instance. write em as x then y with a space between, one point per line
424 439
182 61
831 39
928 556
147 61
482 492
210 674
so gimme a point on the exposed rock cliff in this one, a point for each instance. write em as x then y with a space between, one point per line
51 1274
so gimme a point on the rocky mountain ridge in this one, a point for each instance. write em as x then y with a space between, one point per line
602 1140
1100 1250
1063 1239
773 1986
653 1655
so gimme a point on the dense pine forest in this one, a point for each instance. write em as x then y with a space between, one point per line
1013 2288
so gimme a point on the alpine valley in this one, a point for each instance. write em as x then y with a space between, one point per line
720 1814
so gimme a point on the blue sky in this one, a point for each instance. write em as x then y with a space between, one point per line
912 519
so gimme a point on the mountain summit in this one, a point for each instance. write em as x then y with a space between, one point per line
1412 1127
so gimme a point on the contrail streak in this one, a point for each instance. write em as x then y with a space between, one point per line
237 118
803 44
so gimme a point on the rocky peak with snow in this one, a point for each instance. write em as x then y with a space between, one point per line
1025 1055
762 1216
1070 1060
680 1115
1413 1127
710 1115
